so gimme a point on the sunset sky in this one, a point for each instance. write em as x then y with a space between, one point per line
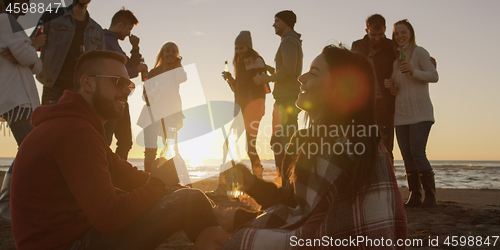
462 35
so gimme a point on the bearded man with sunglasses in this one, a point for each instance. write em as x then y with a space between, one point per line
70 191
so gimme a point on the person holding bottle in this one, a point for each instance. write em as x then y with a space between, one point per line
18 93
249 95
414 113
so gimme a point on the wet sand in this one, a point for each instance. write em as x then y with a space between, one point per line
461 212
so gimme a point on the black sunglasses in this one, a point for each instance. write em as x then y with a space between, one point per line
120 83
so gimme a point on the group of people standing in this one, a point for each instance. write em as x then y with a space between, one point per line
70 191
403 72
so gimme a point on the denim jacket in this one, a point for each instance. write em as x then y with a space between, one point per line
60 28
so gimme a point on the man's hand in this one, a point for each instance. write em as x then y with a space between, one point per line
165 171
8 55
434 62
142 68
248 177
261 79
39 41
270 69
134 41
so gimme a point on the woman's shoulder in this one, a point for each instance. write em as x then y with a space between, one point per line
420 51
154 72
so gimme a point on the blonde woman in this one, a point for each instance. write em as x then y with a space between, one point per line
414 113
168 58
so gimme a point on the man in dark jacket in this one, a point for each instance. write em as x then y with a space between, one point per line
122 24
70 32
66 178
380 52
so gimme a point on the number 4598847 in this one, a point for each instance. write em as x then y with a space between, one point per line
33 8
470 241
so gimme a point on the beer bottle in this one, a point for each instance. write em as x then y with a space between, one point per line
144 74
39 31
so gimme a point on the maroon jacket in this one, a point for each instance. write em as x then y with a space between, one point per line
64 179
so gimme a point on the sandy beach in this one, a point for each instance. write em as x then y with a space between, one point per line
463 213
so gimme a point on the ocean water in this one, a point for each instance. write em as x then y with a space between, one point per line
449 174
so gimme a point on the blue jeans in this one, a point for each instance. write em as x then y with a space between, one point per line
186 209
412 140
20 128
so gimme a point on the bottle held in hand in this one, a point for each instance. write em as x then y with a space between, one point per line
144 74
402 56
234 182
234 178
39 31
226 67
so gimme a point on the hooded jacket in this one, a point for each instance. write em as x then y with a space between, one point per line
65 178
288 66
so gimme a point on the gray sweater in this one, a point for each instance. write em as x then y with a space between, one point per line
413 102
288 66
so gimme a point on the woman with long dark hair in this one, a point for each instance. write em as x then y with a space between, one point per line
341 182
414 113
249 98
249 95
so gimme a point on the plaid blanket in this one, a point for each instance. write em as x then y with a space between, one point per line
323 217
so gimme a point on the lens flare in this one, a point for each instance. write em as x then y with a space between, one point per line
351 89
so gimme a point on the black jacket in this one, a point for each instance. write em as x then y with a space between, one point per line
383 61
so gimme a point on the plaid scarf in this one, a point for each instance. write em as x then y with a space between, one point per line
375 211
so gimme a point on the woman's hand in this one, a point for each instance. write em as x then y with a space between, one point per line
389 84
225 217
405 67
39 41
227 76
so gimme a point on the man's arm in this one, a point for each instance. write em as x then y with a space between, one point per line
135 57
126 176
81 157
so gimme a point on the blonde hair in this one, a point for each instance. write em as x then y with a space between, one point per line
160 62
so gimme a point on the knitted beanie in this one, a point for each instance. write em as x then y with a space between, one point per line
244 38
288 17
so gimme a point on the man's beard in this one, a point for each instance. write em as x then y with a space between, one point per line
105 108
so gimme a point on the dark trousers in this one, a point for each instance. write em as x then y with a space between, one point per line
186 209
412 140
122 129
385 119
284 126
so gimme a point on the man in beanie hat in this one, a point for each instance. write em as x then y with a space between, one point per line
286 88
